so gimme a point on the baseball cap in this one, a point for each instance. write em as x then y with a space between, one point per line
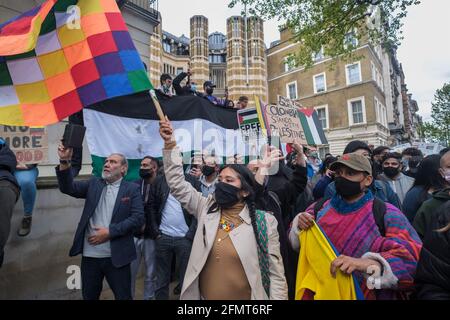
353 161
209 84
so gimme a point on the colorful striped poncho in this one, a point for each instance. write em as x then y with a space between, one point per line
352 230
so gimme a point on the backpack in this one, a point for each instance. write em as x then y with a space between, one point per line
378 211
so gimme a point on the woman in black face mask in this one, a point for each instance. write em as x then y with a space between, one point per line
236 250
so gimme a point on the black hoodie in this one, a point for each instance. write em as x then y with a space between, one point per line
8 164
429 208
433 270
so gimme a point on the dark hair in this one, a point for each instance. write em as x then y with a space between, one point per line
428 174
444 151
243 98
354 145
156 160
393 155
248 184
230 104
165 77
413 152
379 150
327 163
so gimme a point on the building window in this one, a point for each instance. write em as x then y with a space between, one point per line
322 114
323 151
255 48
353 73
291 90
288 65
236 31
166 47
320 83
351 40
380 111
318 55
236 48
377 76
356 111
179 70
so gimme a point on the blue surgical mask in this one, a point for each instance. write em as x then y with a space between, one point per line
193 87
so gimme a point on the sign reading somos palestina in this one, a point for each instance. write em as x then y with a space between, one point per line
283 121
30 145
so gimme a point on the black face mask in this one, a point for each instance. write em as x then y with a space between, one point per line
347 188
226 195
207 170
145 173
209 90
391 172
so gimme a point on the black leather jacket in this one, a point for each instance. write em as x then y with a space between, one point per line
158 197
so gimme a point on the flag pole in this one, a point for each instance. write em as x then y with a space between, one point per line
157 105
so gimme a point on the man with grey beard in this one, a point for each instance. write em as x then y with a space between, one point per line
113 211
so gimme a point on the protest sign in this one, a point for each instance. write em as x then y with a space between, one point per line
429 148
286 102
252 130
30 145
283 121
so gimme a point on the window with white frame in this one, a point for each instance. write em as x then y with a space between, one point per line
320 83
377 76
288 65
322 114
291 90
353 73
351 40
380 81
318 55
323 150
374 71
356 111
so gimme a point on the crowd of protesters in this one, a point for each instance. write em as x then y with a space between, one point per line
233 231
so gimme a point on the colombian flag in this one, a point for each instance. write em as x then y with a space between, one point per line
314 279
62 56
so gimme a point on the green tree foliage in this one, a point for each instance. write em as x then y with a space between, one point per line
439 128
330 24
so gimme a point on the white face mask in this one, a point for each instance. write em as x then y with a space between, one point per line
446 175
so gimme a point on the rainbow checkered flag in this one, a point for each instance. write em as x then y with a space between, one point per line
62 56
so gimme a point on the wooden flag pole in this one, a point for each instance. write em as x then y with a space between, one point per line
157 105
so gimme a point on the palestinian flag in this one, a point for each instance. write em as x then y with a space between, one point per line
250 116
312 127
130 125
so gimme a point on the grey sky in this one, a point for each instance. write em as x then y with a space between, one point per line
424 53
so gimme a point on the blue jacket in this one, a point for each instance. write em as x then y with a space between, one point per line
413 200
127 217
321 186
380 189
